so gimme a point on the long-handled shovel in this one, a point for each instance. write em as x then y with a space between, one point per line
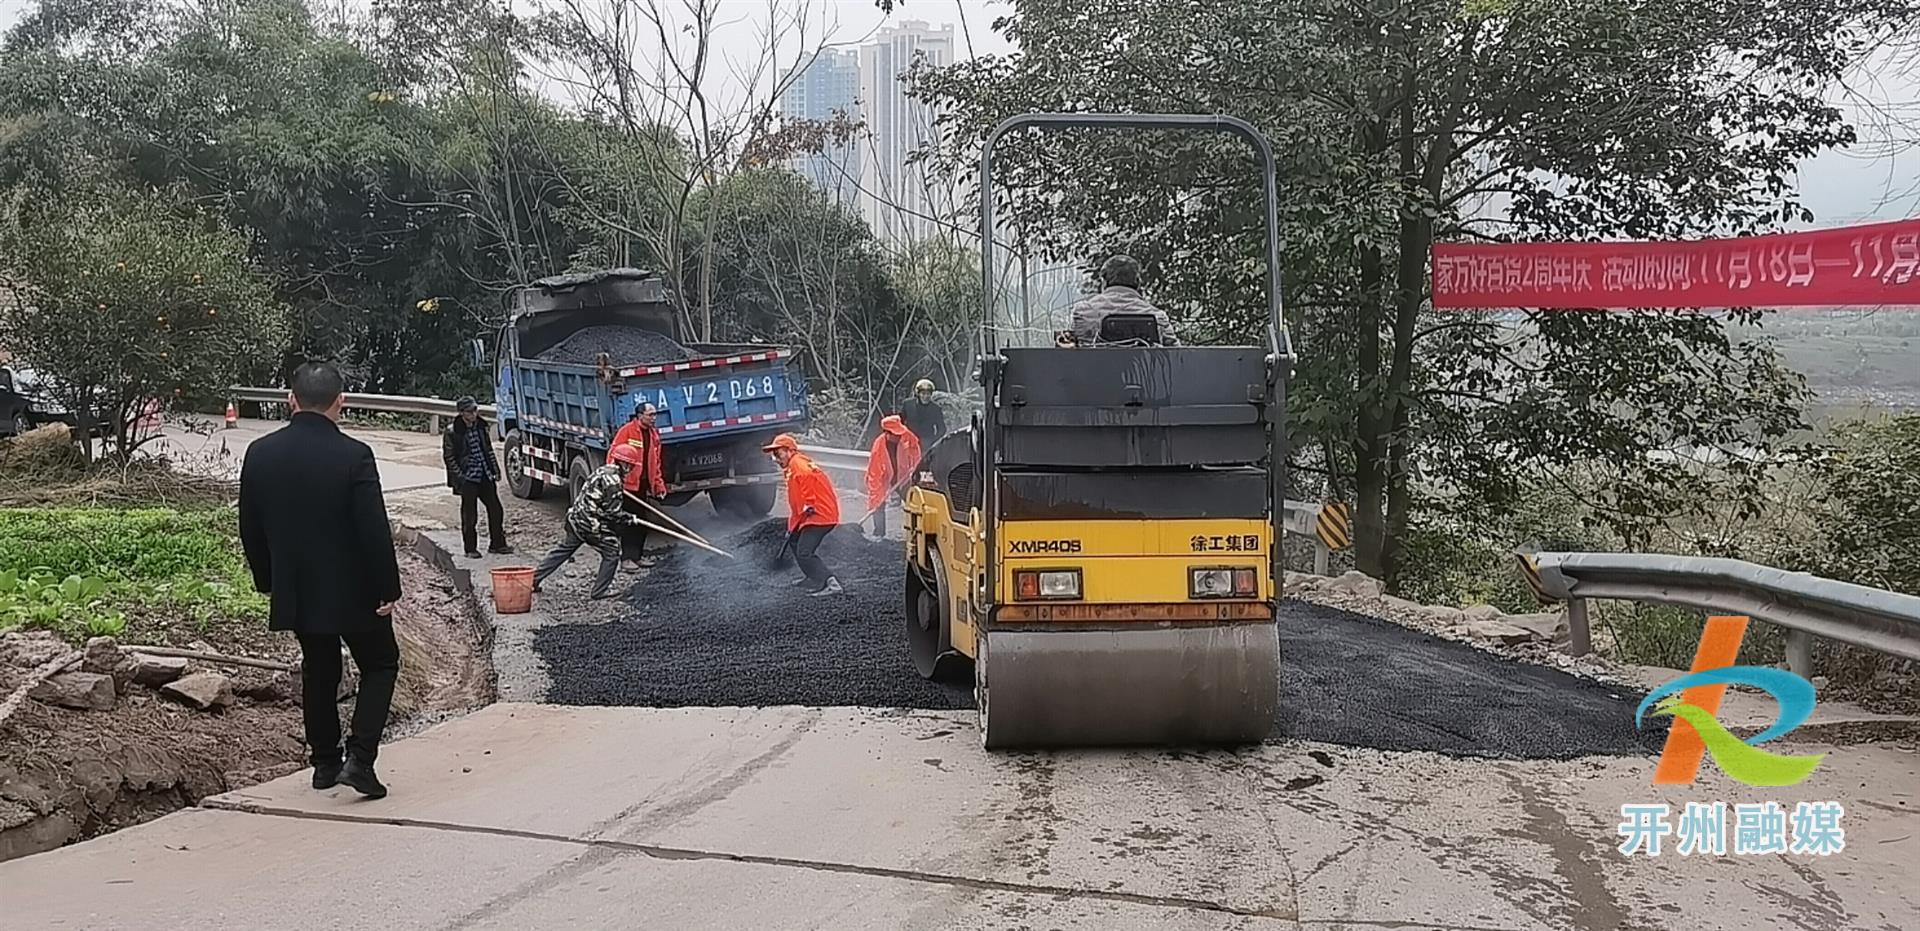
683 528
683 537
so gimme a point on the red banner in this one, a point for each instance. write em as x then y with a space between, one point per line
1872 265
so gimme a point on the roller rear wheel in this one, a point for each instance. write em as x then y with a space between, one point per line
926 630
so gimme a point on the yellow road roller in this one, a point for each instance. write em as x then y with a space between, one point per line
1100 547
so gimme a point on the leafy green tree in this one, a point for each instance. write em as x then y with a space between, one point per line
1403 124
132 297
940 291
395 179
790 264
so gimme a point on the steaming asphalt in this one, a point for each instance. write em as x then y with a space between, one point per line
702 631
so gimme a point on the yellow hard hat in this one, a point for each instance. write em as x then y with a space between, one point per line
924 384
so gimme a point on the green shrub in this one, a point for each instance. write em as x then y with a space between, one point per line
1662 635
1872 521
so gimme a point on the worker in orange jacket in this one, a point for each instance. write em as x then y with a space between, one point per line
813 510
647 480
890 465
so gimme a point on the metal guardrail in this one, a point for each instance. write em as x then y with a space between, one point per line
1806 605
433 408
844 460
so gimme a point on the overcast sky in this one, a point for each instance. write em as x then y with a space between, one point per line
1877 179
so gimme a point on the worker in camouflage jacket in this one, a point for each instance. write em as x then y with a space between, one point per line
597 518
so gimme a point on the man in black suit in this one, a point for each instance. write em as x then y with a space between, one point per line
314 527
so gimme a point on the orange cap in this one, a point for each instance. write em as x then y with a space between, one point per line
783 441
627 454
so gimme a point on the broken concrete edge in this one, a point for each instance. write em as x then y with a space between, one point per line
416 538
475 593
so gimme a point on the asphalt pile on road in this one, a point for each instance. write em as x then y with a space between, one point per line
1361 681
624 345
705 630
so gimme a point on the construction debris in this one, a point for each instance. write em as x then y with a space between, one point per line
29 649
81 691
203 690
155 671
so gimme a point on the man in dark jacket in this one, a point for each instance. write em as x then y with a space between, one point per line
473 472
314 527
923 415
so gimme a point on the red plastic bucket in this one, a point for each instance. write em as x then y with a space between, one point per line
513 589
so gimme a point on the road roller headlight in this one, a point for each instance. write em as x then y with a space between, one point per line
1046 584
1223 582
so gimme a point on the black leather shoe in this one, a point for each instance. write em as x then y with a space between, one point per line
360 776
500 549
326 775
473 553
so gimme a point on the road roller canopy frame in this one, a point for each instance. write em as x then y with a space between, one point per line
1185 407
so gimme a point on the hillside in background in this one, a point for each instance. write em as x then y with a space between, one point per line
1852 359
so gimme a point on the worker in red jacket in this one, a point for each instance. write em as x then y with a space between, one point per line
647 480
890 465
813 510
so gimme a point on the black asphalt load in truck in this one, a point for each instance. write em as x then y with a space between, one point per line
581 352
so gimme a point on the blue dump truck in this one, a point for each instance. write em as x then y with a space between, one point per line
579 352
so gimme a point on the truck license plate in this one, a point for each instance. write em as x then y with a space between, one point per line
729 389
707 459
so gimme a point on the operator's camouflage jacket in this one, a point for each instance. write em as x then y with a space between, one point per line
598 513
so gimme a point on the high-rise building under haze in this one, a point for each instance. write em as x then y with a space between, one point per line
829 85
875 174
901 201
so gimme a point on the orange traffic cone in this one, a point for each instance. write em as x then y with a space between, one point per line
233 415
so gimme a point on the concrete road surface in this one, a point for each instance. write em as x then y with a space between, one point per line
527 816
205 445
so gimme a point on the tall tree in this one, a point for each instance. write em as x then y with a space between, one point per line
1399 124
130 297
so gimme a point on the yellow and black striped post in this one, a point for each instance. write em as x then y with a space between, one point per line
1530 570
1335 526
1332 529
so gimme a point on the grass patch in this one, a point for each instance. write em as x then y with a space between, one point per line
1661 635
85 571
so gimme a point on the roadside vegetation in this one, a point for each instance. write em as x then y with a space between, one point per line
142 554
1845 506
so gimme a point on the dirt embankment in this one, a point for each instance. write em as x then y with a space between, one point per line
119 737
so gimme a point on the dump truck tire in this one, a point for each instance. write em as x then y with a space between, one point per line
523 485
577 472
743 502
